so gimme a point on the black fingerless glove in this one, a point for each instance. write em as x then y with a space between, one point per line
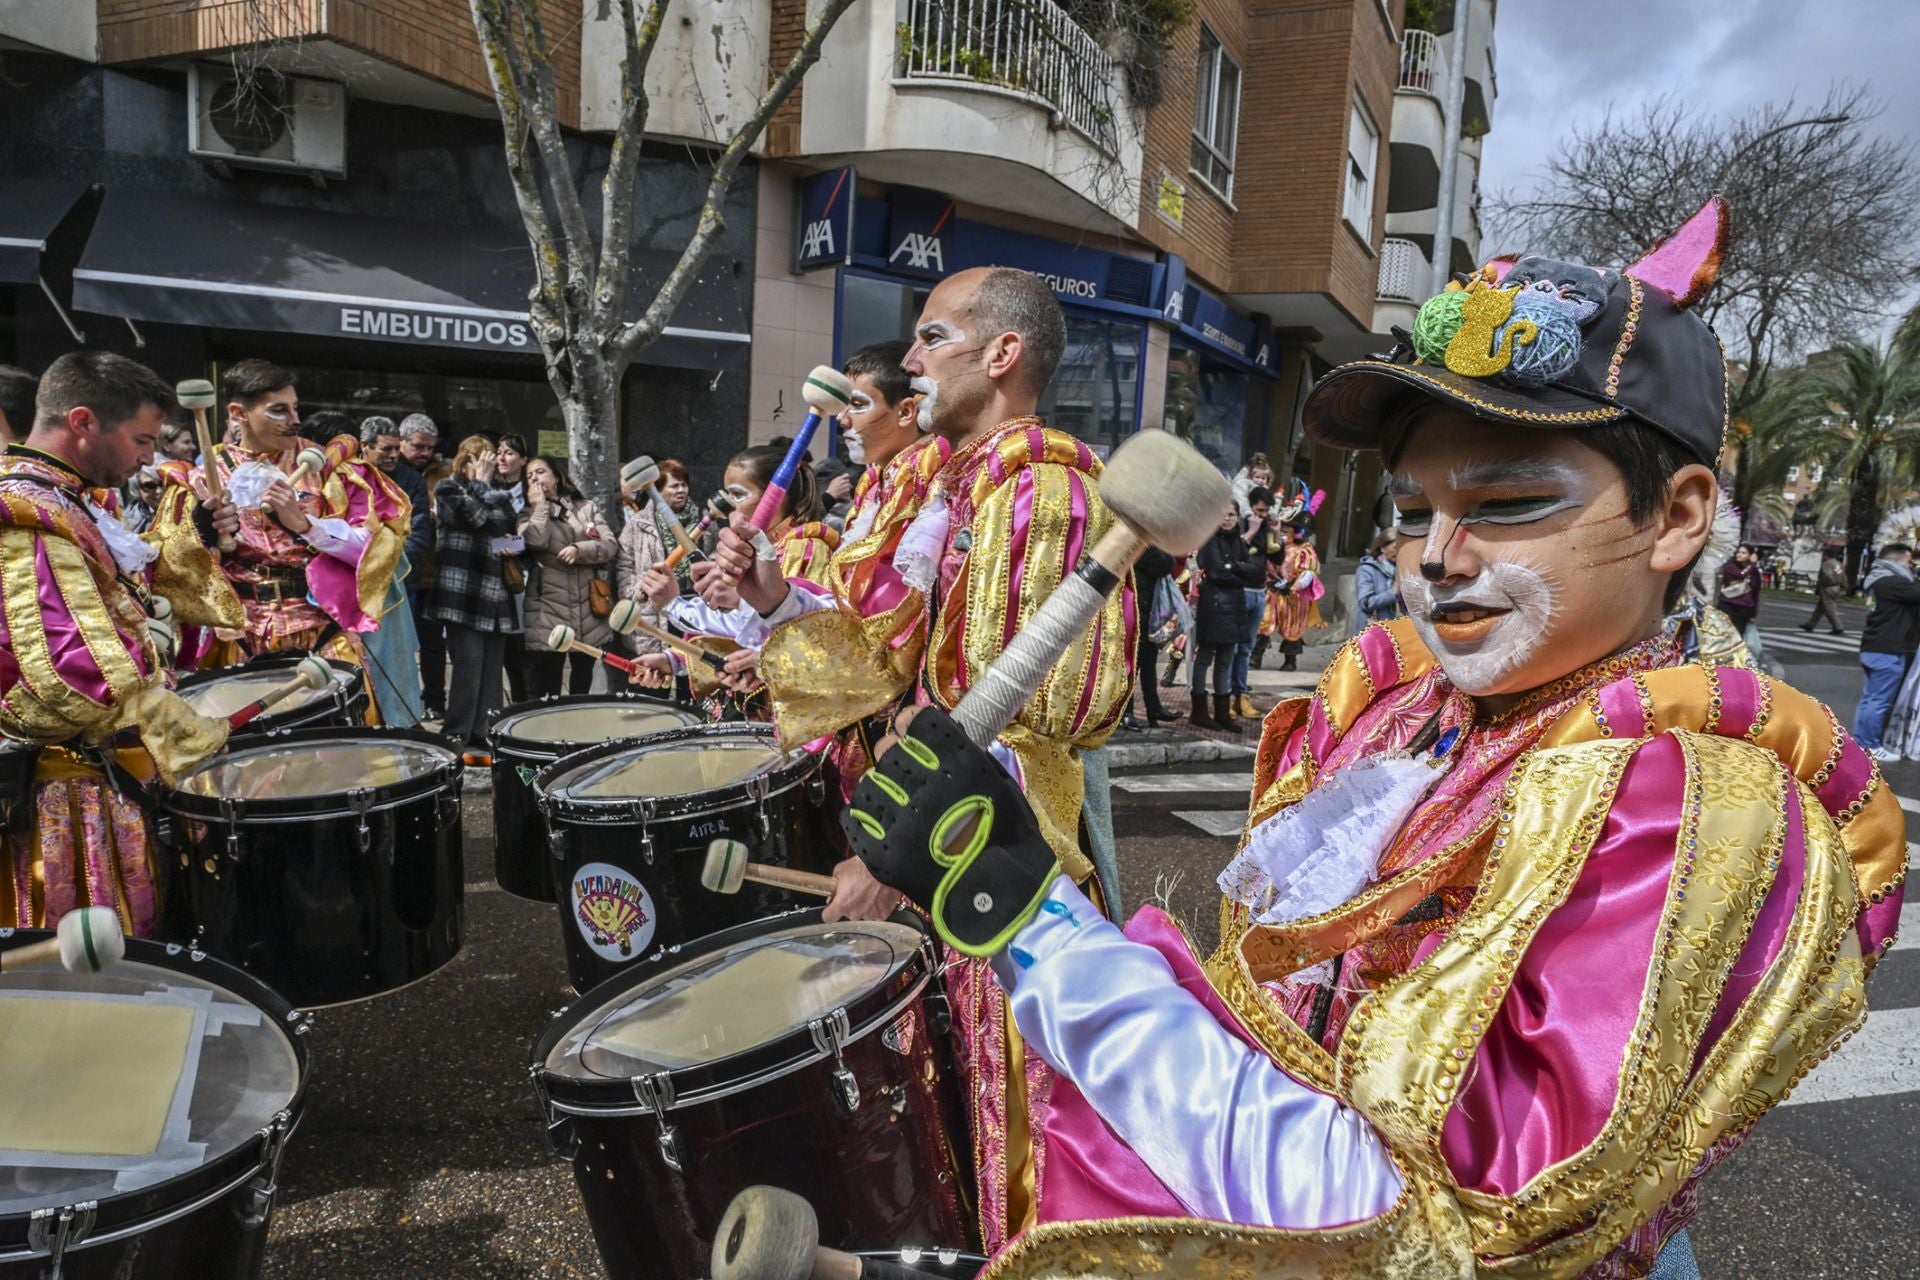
938 819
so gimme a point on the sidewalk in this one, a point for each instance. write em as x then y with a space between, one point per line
1182 742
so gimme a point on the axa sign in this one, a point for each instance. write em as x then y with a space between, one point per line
825 220
920 253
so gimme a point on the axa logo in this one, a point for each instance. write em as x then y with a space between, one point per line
819 240
1265 354
1176 307
923 252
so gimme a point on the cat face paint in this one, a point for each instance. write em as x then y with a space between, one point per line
1517 563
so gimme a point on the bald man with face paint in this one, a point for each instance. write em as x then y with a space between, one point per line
1535 916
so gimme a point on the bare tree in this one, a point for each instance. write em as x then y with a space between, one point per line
578 301
1821 217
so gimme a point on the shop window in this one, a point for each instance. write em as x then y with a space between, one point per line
1363 152
1095 392
1216 114
1207 406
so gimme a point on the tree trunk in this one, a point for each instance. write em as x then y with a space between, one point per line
592 415
1863 510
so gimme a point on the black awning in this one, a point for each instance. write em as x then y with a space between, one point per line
29 211
265 268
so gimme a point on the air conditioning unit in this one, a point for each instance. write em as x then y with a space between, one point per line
266 120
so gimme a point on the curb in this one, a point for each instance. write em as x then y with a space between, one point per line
1141 755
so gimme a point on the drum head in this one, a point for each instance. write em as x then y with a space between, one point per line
305 768
733 1000
119 1080
562 724
221 697
687 767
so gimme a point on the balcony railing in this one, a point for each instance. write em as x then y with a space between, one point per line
1404 271
1030 48
1420 69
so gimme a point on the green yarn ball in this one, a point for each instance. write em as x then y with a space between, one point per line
1438 321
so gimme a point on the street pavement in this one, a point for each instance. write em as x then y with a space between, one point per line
423 1152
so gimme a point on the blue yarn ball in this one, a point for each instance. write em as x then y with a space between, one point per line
1555 348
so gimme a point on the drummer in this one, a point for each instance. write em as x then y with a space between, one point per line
84 669
313 568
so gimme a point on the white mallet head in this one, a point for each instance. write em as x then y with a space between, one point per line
90 939
159 607
1166 489
195 393
641 473
766 1234
314 671
826 390
623 617
313 460
726 867
560 638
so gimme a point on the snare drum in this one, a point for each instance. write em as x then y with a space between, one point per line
804 1055
147 1108
325 862
341 702
631 822
529 736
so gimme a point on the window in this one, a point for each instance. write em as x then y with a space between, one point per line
1819 472
1208 406
1793 473
1092 393
1216 114
1363 152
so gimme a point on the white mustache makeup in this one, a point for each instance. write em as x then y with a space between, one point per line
1520 590
929 391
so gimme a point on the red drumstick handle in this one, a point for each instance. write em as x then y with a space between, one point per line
613 660
313 673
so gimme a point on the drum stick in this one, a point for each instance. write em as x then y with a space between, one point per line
1164 493
312 462
625 619
563 638
86 941
827 393
644 473
313 673
770 1234
727 869
719 507
197 394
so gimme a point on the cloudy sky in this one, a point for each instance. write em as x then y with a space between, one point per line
1560 62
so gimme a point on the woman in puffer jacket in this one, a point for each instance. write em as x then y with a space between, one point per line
641 548
567 548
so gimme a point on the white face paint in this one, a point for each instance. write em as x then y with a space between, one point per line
931 337
855 446
929 391
1523 601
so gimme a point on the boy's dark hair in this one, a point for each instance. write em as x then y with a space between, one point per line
1260 493
251 381
803 495
326 424
114 387
17 389
880 361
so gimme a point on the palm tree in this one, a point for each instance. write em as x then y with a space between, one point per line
1856 410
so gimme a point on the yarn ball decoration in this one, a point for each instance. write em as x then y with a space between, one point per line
1438 320
1555 348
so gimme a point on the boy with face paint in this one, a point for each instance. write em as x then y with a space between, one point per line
880 429
1534 918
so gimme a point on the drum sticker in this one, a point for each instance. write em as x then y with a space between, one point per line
527 774
614 912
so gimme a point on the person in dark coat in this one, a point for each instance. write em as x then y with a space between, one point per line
1149 571
1827 595
470 591
1229 570
1739 596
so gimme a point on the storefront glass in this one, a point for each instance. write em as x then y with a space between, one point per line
1207 405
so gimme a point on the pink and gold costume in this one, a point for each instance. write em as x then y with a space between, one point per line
1290 614
1003 520
315 592
79 671
1628 918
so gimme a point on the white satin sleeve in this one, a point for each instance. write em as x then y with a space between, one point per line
1232 1135
333 536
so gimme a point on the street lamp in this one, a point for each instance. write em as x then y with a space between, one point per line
1804 518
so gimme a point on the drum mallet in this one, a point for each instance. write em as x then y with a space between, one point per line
310 673
564 638
197 394
770 1234
719 507
1163 493
727 869
625 619
314 461
644 473
86 941
827 393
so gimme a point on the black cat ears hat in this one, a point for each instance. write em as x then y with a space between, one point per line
1547 344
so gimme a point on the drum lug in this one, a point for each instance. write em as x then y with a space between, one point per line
257 1206
565 1142
655 1093
360 800
557 843
54 1231
642 812
758 788
816 789
230 813
162 830
830 1035
939 1010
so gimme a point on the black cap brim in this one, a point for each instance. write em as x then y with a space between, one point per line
1354 406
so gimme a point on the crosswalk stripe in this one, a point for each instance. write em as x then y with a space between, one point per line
1215 822
1883 1057
1910 805
1909 935
1797 639
1241 782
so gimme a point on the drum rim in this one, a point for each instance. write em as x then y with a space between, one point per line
790 771
547 749
220 1175
345 692
180 801
774 1059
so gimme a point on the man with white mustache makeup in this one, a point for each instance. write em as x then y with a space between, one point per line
1535 915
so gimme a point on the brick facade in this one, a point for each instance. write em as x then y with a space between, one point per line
433 38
